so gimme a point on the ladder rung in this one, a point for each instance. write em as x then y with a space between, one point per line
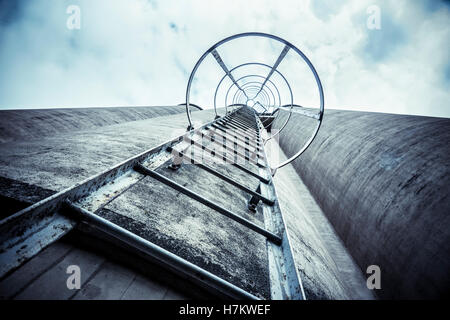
240 130
246 147
252 155
228 179
246 125
238 133
269 235
262 179
213 152
242 168
249 142
240 125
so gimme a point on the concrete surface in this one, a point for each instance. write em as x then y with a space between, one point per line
58 161
37 123
383 181
44 277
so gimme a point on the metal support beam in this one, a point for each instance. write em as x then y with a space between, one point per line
285 281
219 60
275 66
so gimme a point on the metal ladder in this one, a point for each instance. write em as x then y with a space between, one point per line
233 138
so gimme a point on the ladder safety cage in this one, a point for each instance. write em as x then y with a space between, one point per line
259 92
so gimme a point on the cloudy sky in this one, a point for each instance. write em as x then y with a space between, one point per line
141 52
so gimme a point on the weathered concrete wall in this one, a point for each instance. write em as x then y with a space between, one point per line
383 181
326 268
37 123
60 160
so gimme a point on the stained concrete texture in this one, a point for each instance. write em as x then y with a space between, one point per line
59 161
37 123
383 181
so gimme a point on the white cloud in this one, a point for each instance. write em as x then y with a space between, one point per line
136 52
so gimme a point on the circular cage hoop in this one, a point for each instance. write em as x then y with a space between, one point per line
276 111
288 46
238 91
248 64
